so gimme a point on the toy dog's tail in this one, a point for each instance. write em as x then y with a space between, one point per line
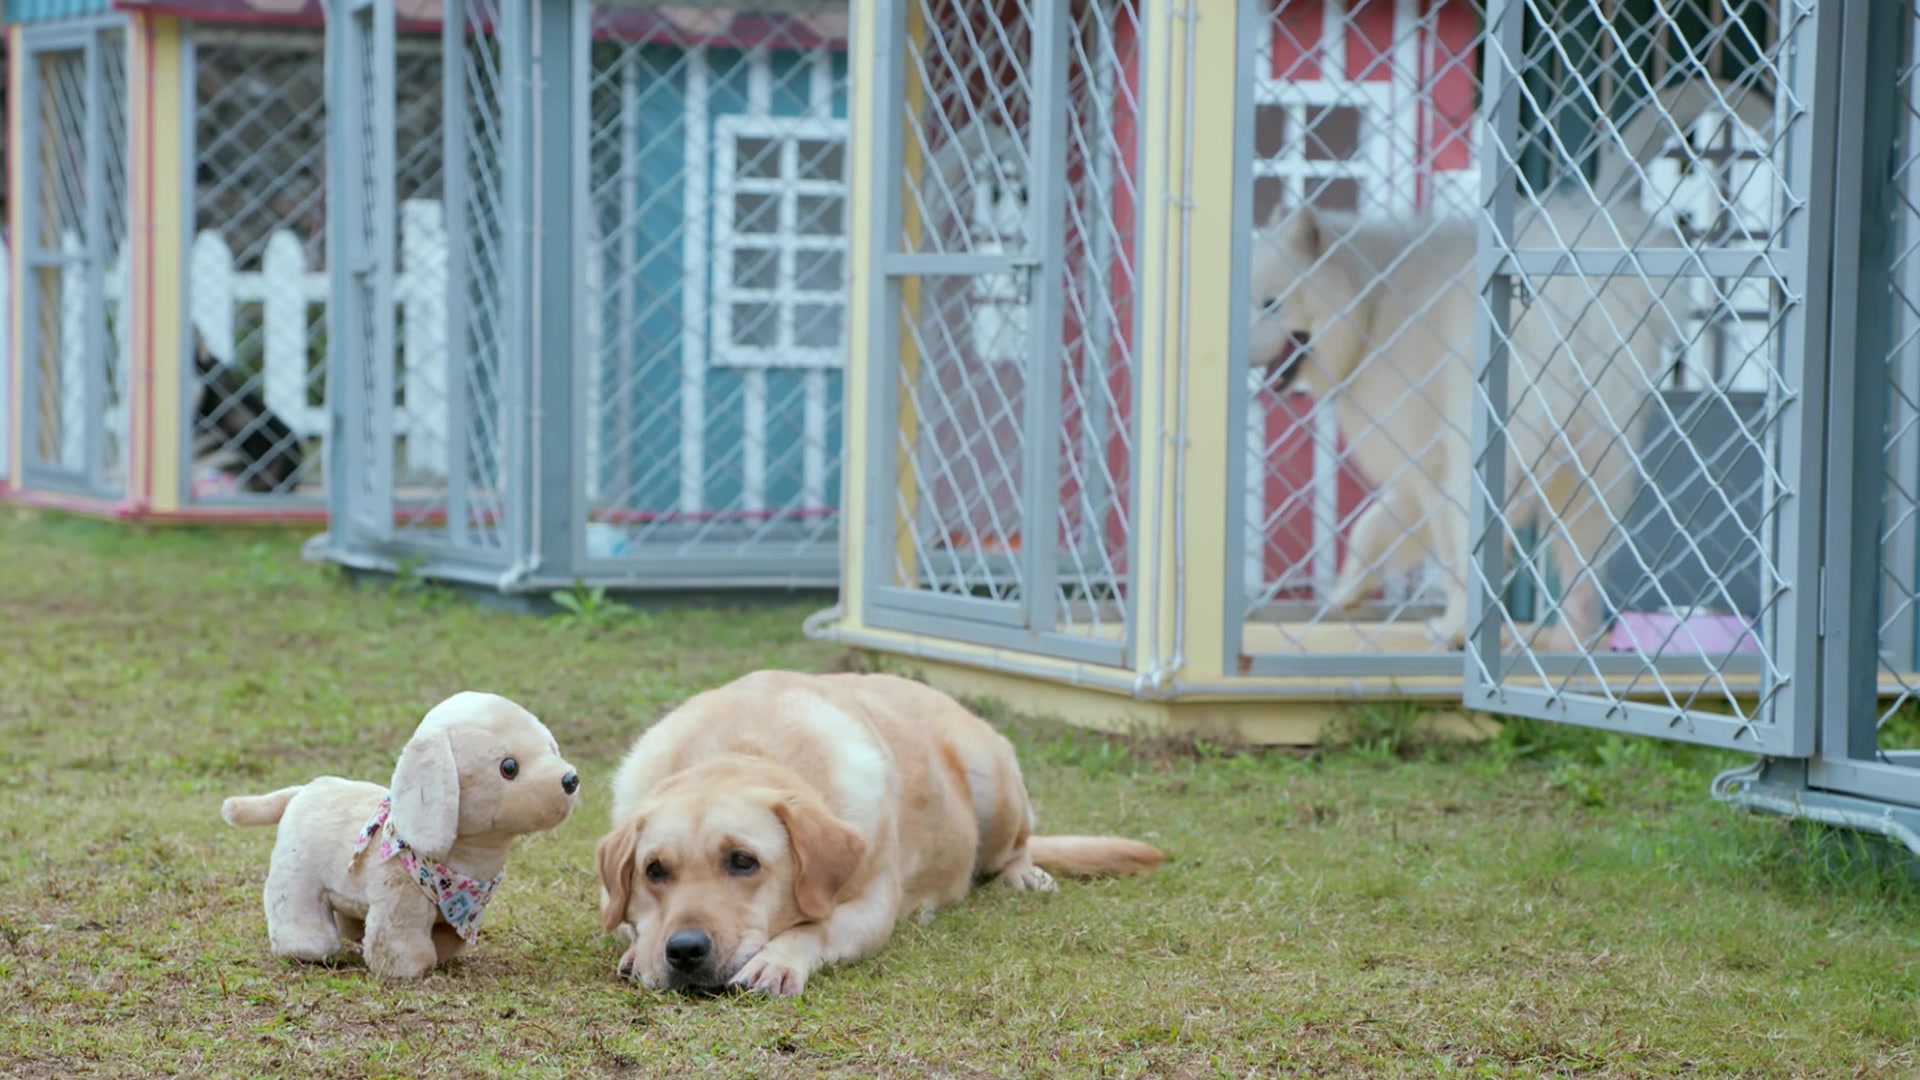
244 810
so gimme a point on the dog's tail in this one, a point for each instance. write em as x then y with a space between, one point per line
245 810
1092 856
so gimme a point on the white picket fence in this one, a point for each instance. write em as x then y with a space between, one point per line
288 291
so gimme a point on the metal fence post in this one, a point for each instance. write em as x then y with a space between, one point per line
559 207
1486 520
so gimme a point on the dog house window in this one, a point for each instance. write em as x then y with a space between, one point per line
1720 193
1314 145
780 242
999 313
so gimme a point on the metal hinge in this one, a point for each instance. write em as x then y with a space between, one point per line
1820 628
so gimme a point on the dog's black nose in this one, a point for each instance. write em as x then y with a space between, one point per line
687 950
570 783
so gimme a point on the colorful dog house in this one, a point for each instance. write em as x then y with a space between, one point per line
166 158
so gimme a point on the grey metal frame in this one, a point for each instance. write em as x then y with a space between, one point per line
37 40
1029 624
360 42
1846 779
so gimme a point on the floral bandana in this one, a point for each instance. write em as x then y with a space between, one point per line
461 899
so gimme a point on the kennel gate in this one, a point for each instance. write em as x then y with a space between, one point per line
1832 542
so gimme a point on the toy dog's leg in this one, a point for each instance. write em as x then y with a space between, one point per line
400 941
300 925
447 943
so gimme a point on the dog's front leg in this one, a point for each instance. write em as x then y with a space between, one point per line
855 929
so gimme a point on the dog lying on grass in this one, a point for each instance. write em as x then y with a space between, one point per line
786 821
408 869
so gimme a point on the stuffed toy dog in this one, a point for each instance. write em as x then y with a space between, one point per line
408 870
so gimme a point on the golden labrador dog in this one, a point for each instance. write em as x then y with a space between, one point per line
785 821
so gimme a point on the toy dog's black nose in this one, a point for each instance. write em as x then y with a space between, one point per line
570 783
687 950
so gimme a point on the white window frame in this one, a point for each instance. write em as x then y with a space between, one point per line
1370 168
1000 305
786 132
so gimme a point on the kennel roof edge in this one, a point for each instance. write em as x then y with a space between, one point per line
771 22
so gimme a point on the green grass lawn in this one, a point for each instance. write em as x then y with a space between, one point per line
1551 903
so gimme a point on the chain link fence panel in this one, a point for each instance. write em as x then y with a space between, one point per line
76 356
257 278
1645 417
1010 325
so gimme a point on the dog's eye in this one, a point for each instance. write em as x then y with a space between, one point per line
509 768
655 872
740 863
1270 305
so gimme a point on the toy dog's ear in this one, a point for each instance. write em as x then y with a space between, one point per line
614 858
426 795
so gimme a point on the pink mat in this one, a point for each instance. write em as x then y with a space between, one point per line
1659 632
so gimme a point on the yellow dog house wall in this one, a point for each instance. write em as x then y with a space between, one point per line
167 319
1049 343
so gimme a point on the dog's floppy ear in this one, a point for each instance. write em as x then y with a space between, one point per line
614 857
426 795
825 853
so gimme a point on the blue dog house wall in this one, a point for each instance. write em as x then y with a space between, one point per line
719 200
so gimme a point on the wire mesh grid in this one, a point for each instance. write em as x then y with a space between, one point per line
1898 723
717 280
1645 400
76 413
1017 215
436 410
257 278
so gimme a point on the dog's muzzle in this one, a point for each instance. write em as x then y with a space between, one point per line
1284 368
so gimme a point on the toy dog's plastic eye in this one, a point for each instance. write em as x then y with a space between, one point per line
509 768
655 872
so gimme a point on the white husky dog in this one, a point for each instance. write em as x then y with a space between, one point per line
1379 315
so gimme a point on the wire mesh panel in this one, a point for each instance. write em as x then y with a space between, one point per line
76 355
1671 552
1896 727
1647 423
716 324
257 271
466 325
1007 249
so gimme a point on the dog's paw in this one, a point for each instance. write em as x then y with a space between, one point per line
767 975
1028 878
1350 593
1447 633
